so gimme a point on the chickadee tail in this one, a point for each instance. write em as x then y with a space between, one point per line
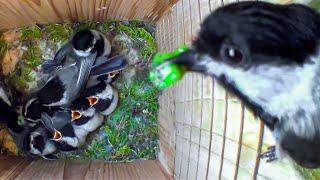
107 66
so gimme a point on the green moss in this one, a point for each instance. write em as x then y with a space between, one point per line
58 32
32 56
138 33
106 26
310 174
20 77
31 33
85 25
315 4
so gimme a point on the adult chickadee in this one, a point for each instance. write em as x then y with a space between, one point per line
268 55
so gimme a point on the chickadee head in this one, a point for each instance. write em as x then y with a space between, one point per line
268 54
84 43
248 34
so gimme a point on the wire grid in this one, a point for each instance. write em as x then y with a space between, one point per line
201 146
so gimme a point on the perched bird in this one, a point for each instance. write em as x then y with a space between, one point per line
268 55
102 97
82 44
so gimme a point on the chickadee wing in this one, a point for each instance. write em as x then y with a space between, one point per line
65 49
50 65
114 64
84 70
47 121
61 119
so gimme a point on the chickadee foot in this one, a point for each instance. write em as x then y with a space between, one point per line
270 154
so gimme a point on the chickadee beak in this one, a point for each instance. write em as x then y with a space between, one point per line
190 59
75 115
57 135
112 74
93 100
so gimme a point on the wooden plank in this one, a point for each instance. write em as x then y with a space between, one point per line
19 13
43 169
18 170
95 171
8 165
75 169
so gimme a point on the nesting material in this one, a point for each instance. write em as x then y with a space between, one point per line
130 132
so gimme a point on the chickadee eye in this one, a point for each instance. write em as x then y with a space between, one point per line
232 54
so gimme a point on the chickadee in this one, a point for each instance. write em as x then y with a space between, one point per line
70 128
107 71
268 55
8 114
82 44
32 110
103 97
67 83
61 129
36 142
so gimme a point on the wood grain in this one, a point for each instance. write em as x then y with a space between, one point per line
16 13
9 165
19 168
42 169
75 169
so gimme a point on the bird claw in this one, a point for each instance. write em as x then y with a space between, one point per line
270 154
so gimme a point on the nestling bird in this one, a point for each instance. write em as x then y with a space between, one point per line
102 97
32 110
36 141
82 44
9 115
67 83
268 55
70 128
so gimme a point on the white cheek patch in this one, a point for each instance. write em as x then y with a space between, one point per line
82 53
106 93
113 104
280 90
89 112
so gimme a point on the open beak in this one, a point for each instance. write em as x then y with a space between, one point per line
93 100
75 115
57 135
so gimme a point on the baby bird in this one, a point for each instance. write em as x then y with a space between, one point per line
82 44
8 114
102 97
70 128
32 110
66 84
36 142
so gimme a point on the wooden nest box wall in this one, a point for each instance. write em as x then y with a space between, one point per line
205 132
